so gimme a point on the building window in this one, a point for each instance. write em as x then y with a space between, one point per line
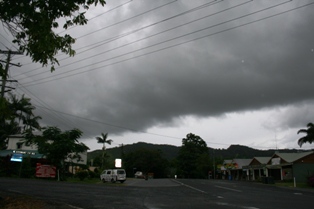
19 145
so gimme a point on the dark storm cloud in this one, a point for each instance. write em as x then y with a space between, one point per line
263 65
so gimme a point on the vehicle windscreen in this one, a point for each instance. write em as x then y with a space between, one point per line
121 172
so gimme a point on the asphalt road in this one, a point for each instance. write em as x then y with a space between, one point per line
163 193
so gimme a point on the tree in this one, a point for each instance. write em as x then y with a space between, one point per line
193 158
147 161
16 117
309 137
57 146
103 140
33 24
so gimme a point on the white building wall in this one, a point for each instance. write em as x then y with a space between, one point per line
18 143
14 141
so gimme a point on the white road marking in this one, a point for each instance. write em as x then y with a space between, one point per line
71 206
232 205
235 190
190 187
298 193
250 208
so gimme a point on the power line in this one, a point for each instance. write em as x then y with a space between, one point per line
168 47
123 127
8 42
110 10
130 129
88 20
107 124
63 120
125 20
136 30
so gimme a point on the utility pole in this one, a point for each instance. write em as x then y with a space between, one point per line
214 164
6 70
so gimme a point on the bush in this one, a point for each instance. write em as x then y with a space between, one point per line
82 175
311 181
93 174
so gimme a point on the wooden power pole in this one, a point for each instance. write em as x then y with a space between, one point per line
6 70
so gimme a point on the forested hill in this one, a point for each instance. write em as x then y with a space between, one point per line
170 152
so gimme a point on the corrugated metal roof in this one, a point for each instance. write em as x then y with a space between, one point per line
262 160
227 161
241 162
291 157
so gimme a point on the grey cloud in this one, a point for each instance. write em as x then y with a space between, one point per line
268 64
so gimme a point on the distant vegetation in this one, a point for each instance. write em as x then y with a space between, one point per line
170 152
164 160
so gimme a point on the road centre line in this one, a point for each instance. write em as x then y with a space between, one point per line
232 205
235 190
190 187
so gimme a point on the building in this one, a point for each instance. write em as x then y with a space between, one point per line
17 145
257 168
234 169
291 166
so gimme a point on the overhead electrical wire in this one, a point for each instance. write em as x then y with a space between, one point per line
63 120
131 129
59 117
48 109
100 43
88 20
121 127
227 30
40 81
125 20
103 13
105 123
117 23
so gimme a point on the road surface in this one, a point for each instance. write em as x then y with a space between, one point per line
163 193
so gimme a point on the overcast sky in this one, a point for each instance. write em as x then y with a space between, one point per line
232 72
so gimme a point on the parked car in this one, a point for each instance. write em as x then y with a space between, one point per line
139 175
113 175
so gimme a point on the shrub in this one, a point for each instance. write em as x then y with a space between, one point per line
82 175
311 180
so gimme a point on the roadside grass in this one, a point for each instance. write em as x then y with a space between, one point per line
291 184
84 181
17 202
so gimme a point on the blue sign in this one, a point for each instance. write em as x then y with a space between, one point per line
17 157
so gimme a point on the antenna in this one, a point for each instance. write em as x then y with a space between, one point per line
276 139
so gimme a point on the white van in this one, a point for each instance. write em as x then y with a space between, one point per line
113 175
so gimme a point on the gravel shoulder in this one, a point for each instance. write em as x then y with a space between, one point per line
11 200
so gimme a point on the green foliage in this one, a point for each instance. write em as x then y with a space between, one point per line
57 146
193 159
147 161
309 137
93 174
103 140
103 161
32 24
82 175
16 117
310 180
27 170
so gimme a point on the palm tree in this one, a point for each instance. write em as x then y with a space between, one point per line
103 140
16 116
309 137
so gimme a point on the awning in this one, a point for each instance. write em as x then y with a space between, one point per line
26 153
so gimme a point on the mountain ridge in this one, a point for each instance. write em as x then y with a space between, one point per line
170 152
